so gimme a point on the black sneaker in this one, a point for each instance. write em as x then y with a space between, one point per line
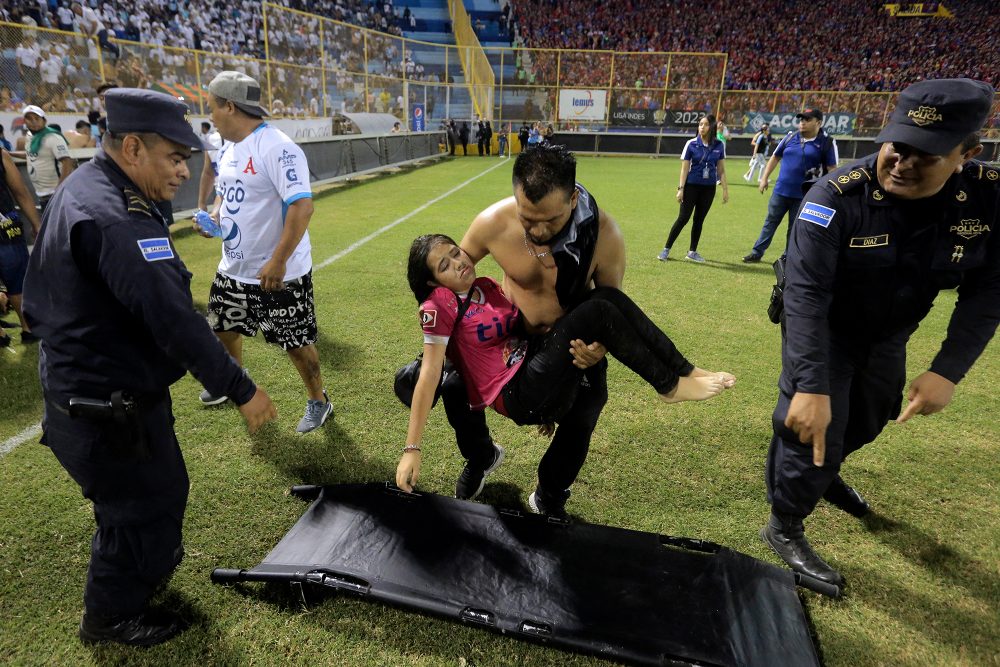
146 629
473 479
554 505
751 258
5 341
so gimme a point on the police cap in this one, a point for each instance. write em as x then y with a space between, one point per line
936 115
137 110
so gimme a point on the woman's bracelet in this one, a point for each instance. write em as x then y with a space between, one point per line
411 448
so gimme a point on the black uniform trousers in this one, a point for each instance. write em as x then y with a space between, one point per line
866 391
138 502
698 200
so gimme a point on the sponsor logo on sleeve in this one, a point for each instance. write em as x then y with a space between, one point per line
816 214
428 318
154 250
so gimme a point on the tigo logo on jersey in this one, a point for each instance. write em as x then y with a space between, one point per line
153 250
816 214
428 318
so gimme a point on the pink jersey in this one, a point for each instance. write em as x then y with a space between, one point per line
482 346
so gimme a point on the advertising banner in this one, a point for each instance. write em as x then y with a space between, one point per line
782 123
655 118
576 104
417 111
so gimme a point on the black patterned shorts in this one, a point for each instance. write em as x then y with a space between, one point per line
287 317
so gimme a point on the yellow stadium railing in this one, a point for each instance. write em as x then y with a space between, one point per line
319 67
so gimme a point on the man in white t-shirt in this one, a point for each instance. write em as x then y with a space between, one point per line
47 152
28 55
90 25
263 204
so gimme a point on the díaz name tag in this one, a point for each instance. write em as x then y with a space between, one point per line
870 241
153 250
816 214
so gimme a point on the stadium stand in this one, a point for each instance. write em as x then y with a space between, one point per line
791 45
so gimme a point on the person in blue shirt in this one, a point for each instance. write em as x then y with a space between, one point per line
702 166
804 155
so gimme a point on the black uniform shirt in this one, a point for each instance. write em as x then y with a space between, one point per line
866 266
111 300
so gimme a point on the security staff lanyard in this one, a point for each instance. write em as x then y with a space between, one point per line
704 158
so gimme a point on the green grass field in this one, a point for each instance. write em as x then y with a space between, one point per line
923 573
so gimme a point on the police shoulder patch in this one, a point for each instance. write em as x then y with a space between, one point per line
817 214
154 250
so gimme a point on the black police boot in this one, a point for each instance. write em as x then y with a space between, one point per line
846 498
148 628
549 504
786 536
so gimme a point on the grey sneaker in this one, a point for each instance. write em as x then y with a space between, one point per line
695 257
207 399
317 412
554 506
663 254
472 480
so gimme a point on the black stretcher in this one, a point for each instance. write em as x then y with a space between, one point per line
621 594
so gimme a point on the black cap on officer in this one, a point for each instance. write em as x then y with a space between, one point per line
137 110
937 115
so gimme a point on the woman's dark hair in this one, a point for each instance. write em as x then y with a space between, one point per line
713 126
417 272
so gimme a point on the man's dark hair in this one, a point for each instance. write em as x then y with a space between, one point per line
541 170
417 271
83 125
205 127
971 142
106 86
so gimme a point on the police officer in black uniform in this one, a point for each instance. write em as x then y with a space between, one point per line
111 301
873 245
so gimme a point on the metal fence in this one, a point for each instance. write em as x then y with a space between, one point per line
318 67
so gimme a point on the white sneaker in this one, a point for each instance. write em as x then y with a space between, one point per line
695 257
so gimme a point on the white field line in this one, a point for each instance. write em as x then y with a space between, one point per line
27 434
378 232
36 429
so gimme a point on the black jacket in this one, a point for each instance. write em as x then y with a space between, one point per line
865 266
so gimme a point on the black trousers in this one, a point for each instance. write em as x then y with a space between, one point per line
866 391
698 200
138 503
549 388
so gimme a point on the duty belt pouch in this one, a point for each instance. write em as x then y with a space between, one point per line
776 307
126 434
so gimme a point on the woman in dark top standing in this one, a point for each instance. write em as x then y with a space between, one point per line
702 166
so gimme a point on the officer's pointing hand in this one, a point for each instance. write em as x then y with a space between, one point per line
929 393
809 416
258 410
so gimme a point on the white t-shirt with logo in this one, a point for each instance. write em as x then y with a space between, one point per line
44 168
259 178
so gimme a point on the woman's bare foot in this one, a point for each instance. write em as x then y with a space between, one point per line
728 379
695 389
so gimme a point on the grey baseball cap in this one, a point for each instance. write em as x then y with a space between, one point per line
240 89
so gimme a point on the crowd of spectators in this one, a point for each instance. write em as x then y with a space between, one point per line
791 45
